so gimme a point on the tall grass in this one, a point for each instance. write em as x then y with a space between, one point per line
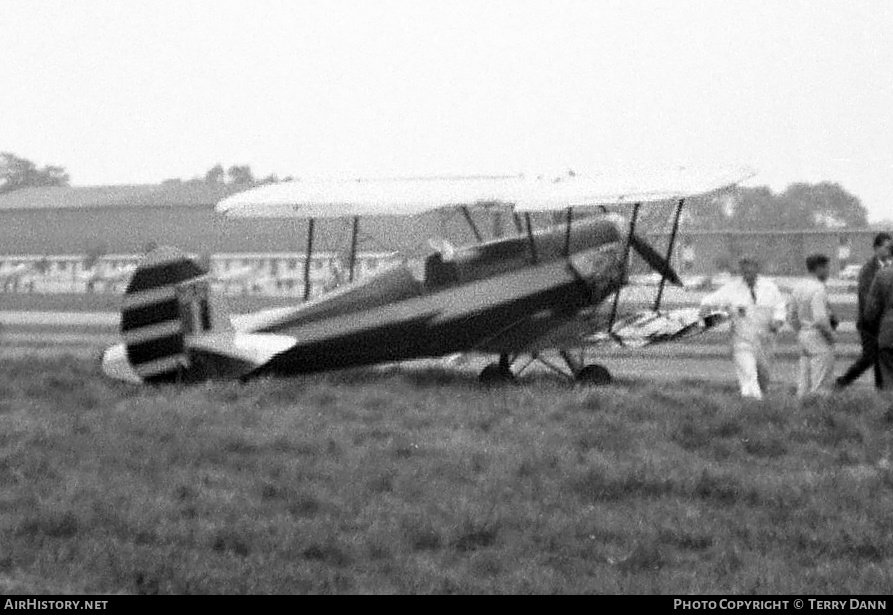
424 482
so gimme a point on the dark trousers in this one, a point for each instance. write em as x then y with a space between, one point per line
885 358
868 359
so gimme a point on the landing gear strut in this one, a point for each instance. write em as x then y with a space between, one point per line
498 373
591 374
594 375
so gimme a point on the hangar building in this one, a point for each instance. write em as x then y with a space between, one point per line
72 222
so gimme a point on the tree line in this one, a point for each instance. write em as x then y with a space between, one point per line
801 206
16 172
235 175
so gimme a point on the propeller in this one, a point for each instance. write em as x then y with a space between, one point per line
654 259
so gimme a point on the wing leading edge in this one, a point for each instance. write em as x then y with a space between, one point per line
401 197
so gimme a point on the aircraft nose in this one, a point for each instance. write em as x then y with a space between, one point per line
596 231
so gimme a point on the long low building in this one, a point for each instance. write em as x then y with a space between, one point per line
127 219
240 272
90 222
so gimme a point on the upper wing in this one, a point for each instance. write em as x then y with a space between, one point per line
397 197
650 187
400 197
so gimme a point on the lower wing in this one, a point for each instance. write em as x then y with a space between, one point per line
545 331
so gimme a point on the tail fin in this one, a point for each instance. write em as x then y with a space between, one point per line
170 333
166 299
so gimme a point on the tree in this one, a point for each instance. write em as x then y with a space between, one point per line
710 213
760 209
801 206
215 175
16 172
829 203
240 174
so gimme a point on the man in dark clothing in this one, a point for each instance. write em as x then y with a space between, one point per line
868 333
879 314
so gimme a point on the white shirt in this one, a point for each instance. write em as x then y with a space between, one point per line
751 321
811 309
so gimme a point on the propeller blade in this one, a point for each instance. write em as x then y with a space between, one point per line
654 259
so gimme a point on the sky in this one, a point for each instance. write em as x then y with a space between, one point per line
133 91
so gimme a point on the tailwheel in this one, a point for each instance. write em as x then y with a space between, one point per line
594 375
496 374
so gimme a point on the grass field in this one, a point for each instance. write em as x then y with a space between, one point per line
424 482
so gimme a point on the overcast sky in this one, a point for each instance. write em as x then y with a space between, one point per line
137 92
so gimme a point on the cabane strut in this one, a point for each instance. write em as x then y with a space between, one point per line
625 266
663 278
307 259
353 248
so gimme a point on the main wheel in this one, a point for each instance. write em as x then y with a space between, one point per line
594 375
496 374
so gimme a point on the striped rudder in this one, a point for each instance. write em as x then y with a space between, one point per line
153 318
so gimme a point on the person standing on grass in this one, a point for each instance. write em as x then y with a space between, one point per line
879 316
815 324
757 310
883 244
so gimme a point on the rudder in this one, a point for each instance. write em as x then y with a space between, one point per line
166 299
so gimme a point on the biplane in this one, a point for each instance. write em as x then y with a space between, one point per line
544 291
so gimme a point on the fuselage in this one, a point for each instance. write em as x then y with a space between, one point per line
502 296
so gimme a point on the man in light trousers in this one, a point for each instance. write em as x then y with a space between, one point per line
757 310
815 324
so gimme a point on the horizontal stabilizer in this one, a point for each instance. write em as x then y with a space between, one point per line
230 354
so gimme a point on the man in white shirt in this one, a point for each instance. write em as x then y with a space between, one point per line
757 310
815 325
